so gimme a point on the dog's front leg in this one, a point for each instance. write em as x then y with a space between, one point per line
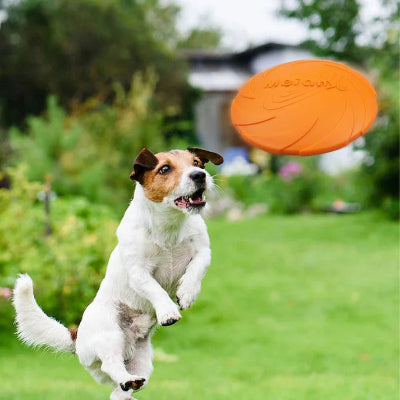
144 284
190 283
147 287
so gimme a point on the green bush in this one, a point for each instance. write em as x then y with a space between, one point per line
346 186
308 190
286 192
381 173
66 266
280 196
91 152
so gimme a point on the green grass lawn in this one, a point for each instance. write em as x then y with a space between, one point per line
301 307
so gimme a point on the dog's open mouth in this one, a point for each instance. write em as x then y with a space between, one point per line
195 200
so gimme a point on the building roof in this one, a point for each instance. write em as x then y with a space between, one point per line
215 56
217 71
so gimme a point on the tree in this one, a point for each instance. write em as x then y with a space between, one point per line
78 49
383 142
338 23
199 38
334 23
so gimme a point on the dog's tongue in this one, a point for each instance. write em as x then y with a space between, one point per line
181 203
184 202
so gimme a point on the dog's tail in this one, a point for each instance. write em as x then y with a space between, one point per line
33 325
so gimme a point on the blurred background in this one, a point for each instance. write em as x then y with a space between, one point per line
301 298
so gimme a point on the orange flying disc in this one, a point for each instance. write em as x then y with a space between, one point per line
304 107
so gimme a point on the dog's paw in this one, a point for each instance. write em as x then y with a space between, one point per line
187 294
134 384
184 301
168 317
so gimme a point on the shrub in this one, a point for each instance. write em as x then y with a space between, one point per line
291 190
381 173
66 266
91 152
299 186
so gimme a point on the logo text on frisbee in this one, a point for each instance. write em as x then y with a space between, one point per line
305 83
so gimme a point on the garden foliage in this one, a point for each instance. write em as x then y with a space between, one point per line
336 30
90 153
79 49
298 186
67 265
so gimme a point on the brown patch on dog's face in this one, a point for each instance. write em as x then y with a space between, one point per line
165 177
145 161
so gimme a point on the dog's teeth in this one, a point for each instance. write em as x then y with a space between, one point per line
190 200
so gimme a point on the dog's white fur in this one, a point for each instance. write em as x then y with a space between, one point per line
162 252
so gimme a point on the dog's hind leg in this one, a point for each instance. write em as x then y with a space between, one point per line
110 350
119 394
142 361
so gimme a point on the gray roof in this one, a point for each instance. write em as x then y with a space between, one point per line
219 71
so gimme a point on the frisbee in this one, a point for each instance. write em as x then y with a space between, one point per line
304 108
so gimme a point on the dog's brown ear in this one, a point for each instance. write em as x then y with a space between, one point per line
206 156
145 161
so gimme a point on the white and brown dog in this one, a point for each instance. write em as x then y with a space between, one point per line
162 252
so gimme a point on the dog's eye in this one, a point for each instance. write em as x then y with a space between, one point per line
164 169
197 163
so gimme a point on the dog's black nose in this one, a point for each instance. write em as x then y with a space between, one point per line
198 177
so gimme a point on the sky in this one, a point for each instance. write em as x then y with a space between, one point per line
253 22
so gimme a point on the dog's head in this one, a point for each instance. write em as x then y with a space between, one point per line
176 178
